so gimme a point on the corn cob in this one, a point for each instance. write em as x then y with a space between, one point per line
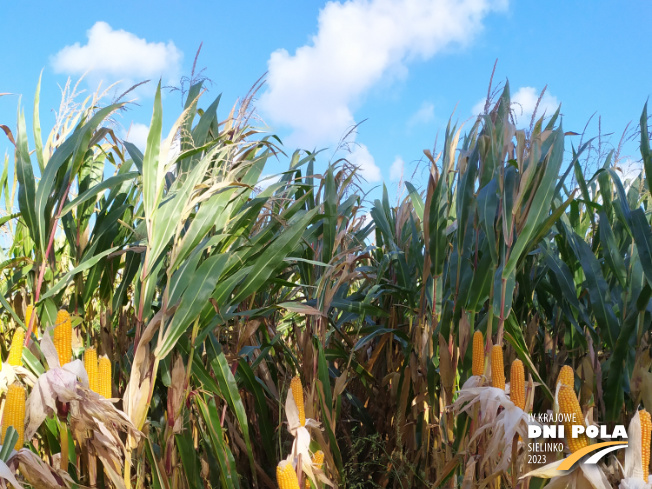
478 353
517 384
646 434
28 317
104 383
566 376
317 462
286 477
90 363
497 367
318 458
297 393
63 336
569 406
16 351
14 413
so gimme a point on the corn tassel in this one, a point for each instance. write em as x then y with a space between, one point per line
566 376
286 477
104 383
90 363
297 394
497 367
28 317
646 434
14 413
16 351
478 353
517 384
63 336
569 406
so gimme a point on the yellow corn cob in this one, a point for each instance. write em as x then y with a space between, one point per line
286 477
569 405
297 393
28 317
63 336
497 367
646 434
566 376
90 362
104 383
318 458
14 413
478 353
317 462
16 351
517 384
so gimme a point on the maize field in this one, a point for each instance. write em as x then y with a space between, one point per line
167 322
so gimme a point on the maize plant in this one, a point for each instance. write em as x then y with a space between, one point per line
195 328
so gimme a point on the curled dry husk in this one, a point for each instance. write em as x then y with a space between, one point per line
38 473
9 374
301 446
94 421
505 424
633 470
582 476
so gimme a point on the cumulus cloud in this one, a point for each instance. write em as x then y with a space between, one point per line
314 91
628 170
118 55
367 168
425 114
396 170
524 100
137 135
267 181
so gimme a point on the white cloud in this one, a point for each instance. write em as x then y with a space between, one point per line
425 114
315 90
137 135
361 157
628 170
118 55
525 100
396 170
523 103
267 181
478 108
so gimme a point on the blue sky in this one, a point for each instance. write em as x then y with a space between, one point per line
403 66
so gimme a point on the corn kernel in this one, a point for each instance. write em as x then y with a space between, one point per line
90 363
28 317
16 350
317 462
286 477
297 393
497 367
646 434
566 376
104 383
517 384
478 353
569 405
14 413
63 336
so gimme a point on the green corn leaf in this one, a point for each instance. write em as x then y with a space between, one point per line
229 391
67 278
27 183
